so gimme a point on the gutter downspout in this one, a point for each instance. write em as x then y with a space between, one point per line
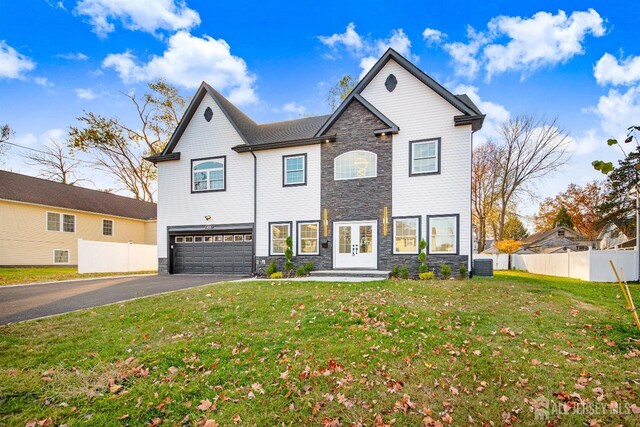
255 207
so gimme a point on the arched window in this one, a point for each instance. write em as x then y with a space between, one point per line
355 164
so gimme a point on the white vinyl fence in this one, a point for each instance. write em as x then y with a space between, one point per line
500 261
592 266
107 257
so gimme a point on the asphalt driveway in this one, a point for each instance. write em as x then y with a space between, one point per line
19 303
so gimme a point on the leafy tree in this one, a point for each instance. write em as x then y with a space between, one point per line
583 205
562 218
119 149
508 246
340 91
619 207
55 163
514 229
484 190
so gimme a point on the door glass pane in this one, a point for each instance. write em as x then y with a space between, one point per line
366 239
344 237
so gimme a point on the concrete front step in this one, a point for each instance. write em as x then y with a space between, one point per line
377 274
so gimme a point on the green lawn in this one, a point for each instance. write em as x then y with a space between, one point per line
13 276
308 353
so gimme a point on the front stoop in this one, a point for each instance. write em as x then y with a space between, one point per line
376 274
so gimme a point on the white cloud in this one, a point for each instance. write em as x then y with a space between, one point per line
513 43
14 65
618 110
142 15
33 141
76 56
294 108
496 114
188 61
350 39
432 35
85 93
368 51
609 70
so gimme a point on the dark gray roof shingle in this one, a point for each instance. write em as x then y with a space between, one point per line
28 189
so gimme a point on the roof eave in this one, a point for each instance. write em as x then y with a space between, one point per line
245 148
163 158
475 121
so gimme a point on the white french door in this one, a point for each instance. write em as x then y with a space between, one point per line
355 244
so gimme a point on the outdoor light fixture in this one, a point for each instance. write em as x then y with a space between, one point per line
326 140
207 217
325 222
385 220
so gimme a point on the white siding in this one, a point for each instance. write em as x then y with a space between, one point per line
278 203
420 113
177 205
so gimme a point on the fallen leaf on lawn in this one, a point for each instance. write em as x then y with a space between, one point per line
173 370
635 408
535 362
503 398
447 419
204 405
328 422
114 388
404 404
123 417
210 423
236 419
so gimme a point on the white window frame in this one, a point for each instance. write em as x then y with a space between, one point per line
113 227
271 225
299 233
456 219
196 162
181 239
343 155
285 182
417 236
412 158
74 223
68 257
46 221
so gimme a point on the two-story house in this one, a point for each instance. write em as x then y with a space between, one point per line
357 189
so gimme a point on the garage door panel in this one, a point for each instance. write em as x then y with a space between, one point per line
213 258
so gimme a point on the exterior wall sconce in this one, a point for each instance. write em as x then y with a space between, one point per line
325 222
207 217
385 220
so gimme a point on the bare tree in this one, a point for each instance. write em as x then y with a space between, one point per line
5 135
55 163
118 148
484 189
531 148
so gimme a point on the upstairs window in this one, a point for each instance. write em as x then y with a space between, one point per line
424 156
208 174
107 227
61 222
53 221
295 170
355 165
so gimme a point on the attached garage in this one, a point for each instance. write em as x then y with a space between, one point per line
213 253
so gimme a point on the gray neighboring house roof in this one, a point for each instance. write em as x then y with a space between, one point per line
312 130
27 189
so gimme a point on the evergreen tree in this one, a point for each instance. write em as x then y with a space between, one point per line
563 218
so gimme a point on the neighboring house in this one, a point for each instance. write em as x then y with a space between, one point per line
559 239
356 189
611 236
41 221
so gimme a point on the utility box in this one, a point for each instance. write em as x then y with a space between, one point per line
483 267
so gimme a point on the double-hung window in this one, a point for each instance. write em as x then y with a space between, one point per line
107 227
208 174
405 233
424 156
61 222
443 234
294 170
308 236
61 256
279 233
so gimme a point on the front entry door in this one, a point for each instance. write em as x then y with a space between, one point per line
355 244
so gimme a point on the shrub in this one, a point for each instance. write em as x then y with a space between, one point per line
301 271
309 267
288 254
422 257
463 271
427 275
272 268
404 272
395 272
423 268
445 270
276 275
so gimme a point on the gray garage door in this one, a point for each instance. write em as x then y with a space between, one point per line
212 254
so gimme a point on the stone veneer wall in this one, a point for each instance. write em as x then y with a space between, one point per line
163 267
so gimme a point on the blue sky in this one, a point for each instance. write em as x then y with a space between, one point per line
578 61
